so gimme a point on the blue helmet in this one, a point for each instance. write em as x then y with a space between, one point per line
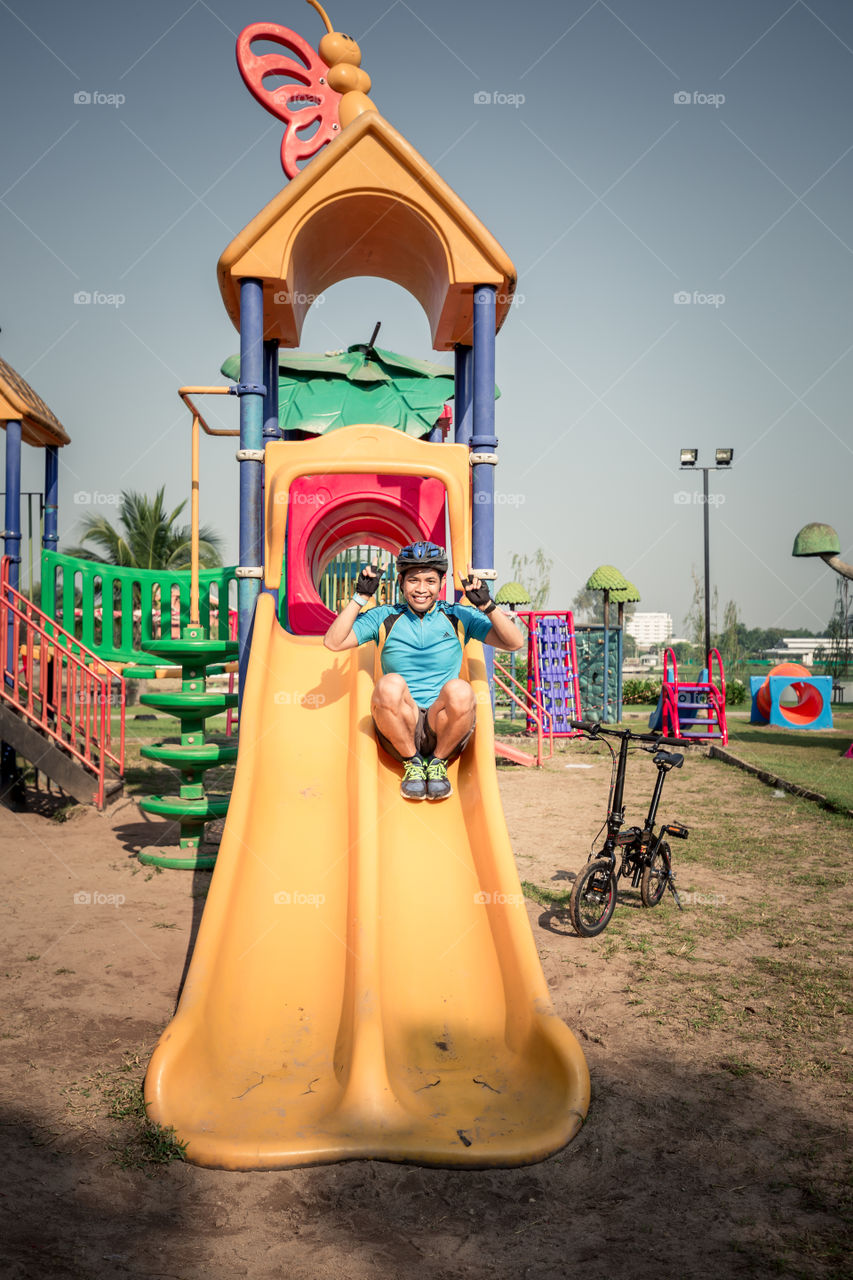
421 555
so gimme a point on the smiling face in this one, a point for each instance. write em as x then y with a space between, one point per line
420 588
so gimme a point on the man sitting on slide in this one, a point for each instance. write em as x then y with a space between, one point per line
423 713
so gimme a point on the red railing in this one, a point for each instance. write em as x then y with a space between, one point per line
59 685
527 705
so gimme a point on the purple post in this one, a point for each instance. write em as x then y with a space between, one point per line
252 397
484 444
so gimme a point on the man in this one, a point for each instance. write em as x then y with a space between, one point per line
423 713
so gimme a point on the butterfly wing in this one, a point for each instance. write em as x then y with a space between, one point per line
301 104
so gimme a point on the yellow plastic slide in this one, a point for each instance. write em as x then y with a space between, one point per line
365 981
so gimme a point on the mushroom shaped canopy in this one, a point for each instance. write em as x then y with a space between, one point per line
512 593
627 595
607 578
816 540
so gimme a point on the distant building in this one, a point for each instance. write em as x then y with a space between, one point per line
798 649
650 628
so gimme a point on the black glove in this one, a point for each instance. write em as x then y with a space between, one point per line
479 596
368 581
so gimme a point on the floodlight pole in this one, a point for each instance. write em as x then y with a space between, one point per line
691 466
706 524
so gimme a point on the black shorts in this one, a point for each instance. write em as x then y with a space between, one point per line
424 739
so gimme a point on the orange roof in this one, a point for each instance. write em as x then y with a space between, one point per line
19 402
367 205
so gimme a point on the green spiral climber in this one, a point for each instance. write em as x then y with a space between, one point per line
193 653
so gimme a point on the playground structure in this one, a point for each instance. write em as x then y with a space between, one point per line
56 697
321 1019
812 709
692 709
552 668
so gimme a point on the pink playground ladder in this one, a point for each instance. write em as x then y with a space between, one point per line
694 709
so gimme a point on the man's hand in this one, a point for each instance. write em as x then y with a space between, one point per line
477 592
368 581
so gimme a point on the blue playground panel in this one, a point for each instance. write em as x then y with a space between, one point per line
589 642
822 685
556 690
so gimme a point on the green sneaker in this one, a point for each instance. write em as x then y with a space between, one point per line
438 784
414 784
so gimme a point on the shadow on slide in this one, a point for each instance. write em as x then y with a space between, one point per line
365 981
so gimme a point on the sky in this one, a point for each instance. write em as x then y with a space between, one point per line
672 179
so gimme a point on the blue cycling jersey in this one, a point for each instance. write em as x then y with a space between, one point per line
423 648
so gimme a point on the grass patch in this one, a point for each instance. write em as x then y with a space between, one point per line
115 1095
815 761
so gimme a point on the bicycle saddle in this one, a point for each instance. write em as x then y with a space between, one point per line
674 759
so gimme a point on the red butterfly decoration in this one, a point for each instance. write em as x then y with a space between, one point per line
300 105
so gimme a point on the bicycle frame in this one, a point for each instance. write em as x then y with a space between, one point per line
645 857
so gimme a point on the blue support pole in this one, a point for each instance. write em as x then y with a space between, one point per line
252 404
483 444
50 537
463 394
272 430
12 548
12 530
272 427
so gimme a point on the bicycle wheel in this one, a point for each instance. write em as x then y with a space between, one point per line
593 898
655 875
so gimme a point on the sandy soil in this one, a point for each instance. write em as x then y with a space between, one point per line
683 1168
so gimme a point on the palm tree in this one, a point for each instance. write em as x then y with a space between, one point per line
149 539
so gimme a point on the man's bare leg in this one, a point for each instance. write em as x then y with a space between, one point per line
395 713
451 716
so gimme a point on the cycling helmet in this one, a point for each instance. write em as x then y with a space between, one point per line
421 555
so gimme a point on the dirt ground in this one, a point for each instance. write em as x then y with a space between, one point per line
712 1148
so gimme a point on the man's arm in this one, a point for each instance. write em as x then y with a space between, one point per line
503 633
340 635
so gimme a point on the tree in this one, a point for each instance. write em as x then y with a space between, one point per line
534 572
837 657
149 537
729 641
588 606
694 621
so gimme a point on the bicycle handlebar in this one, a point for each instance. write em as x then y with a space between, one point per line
594 729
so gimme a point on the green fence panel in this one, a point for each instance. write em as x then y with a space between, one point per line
114 610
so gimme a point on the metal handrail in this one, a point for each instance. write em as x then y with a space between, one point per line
76 711
526 707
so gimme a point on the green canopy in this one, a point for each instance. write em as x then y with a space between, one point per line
319 393
628 595
512 593
607 578
817 540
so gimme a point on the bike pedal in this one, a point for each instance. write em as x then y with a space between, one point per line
678 830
